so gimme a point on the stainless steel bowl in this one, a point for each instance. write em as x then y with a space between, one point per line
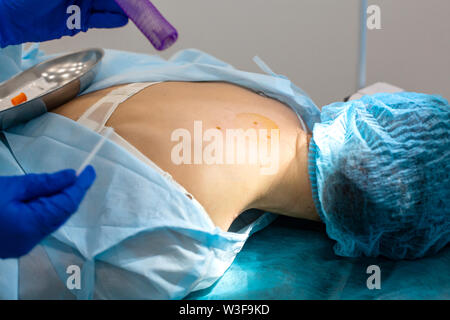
69 74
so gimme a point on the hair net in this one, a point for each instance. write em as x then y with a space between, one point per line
380 174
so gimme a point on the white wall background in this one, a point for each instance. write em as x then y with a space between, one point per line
313 42
412 50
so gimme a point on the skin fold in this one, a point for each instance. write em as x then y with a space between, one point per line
148 119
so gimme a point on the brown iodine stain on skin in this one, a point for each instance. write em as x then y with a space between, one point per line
255 121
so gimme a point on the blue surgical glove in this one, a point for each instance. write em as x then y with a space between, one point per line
35 205
37 20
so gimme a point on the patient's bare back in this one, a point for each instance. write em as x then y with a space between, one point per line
178 126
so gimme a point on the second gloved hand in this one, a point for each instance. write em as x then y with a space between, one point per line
35 205
36 20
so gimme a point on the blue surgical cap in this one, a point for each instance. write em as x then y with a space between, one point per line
380 173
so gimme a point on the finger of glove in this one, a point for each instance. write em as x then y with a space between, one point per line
106 6
42 185
52 212
107 20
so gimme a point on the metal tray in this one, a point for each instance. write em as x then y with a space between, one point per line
68 75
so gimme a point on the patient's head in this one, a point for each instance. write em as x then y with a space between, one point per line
382 169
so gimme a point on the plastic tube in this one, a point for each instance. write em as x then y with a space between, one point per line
94 151
150 21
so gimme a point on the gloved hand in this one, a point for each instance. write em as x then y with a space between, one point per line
35 205
36 20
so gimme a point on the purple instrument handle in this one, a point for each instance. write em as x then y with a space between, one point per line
150 21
